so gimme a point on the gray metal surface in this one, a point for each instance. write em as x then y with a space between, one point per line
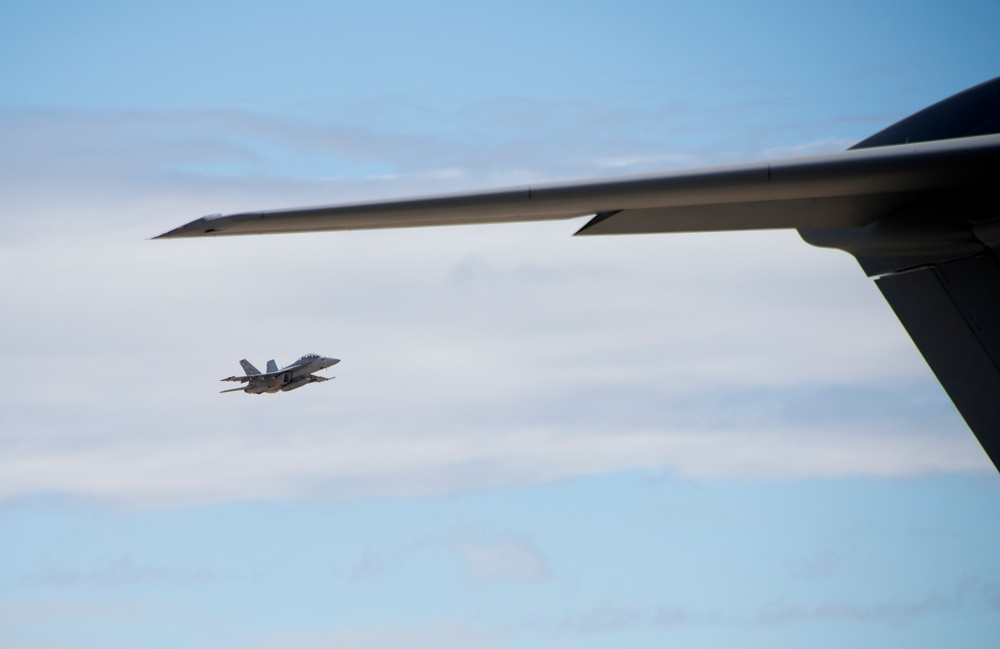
952 313
291 377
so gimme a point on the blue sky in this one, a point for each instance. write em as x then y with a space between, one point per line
532 440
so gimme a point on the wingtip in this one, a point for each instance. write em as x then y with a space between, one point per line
196 228
183 231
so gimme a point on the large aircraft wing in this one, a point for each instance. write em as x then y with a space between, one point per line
847 189
918 204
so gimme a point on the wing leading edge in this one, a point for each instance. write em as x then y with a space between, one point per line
918 204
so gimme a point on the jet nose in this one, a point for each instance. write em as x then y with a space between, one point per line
332 361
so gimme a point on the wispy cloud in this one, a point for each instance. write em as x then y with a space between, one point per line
971 594
80 160
440 636
538 358
614 617
504 560
124 571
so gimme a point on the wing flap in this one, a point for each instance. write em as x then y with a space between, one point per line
830 212
841 190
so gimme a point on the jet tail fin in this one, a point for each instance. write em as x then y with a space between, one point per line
249 368
272 366
937 262
951 312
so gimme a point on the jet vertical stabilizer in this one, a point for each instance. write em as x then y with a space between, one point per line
272 366
248 368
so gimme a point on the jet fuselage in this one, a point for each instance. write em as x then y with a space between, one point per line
290 377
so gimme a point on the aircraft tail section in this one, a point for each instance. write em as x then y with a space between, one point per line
249 368
937 262
272 366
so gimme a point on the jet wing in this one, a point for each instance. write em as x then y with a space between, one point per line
918 204
262 375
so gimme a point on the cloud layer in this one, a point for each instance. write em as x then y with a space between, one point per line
473 357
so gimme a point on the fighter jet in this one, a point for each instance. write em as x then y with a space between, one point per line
918 205
287 378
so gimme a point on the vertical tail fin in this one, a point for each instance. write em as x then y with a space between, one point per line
248 368
272 366
937 262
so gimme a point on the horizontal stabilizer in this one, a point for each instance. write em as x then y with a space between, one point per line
232 390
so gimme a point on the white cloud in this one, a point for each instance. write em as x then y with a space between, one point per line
204 466
816 147
472 357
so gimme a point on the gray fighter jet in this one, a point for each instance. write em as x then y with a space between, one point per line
287 378
918 205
